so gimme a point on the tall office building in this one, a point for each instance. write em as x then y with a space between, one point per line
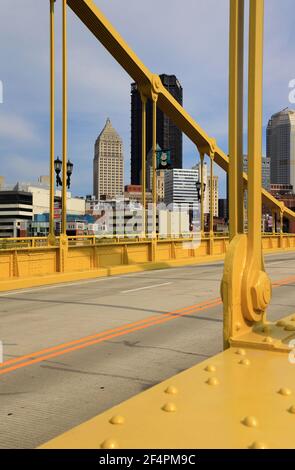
265 168
280 147
168 135
181 187
108 163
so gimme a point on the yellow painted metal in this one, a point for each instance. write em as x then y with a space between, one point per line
37 263
246 392
211 202
154 162
242 398
143 162
236 77
202 193
51 237
104 31
64 119
245 287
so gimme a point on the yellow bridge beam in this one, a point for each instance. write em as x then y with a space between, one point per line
105 32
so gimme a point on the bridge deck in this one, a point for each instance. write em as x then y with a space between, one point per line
40 400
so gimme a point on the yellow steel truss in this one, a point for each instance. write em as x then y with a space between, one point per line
244 393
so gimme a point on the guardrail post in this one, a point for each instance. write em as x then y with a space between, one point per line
15 270
63 253
281 228
211 242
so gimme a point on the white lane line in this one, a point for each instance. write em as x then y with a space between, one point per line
146 287
67 284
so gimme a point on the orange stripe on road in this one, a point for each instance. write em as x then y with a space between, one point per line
114 333
121 329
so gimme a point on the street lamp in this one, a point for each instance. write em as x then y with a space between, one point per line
70 166
58 169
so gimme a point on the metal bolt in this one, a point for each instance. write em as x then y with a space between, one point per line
268 340
286 392
210 368
169 407
109 444
245 362
171 390
213 381
250 422
258 445
289 328
117 419
241 352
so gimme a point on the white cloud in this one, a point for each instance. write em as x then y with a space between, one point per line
17 128
189 39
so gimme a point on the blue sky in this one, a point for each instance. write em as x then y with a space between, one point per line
188 39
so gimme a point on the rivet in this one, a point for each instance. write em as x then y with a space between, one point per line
171 390
286 392
238 326
266 329
241 352
289 328
268 340
281 323
109 444
245 362
292 410
213 381
250 422
258 445
117 419
293 319
210 368
169 407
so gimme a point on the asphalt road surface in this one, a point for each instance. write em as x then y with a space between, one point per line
73 350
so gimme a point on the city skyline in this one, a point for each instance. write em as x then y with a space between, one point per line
105 91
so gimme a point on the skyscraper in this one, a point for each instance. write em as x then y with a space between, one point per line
280 147
168 135
108 163
265 168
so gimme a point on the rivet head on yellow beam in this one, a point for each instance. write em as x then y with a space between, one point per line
281 323
292 410
293 319
117 419
238 326
250 422
286 392
210 368
169 407
241 352
266 329
245 362
213 381
268 340
171 390
289 328
258 445
109 444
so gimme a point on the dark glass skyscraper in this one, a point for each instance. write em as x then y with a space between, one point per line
168 135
